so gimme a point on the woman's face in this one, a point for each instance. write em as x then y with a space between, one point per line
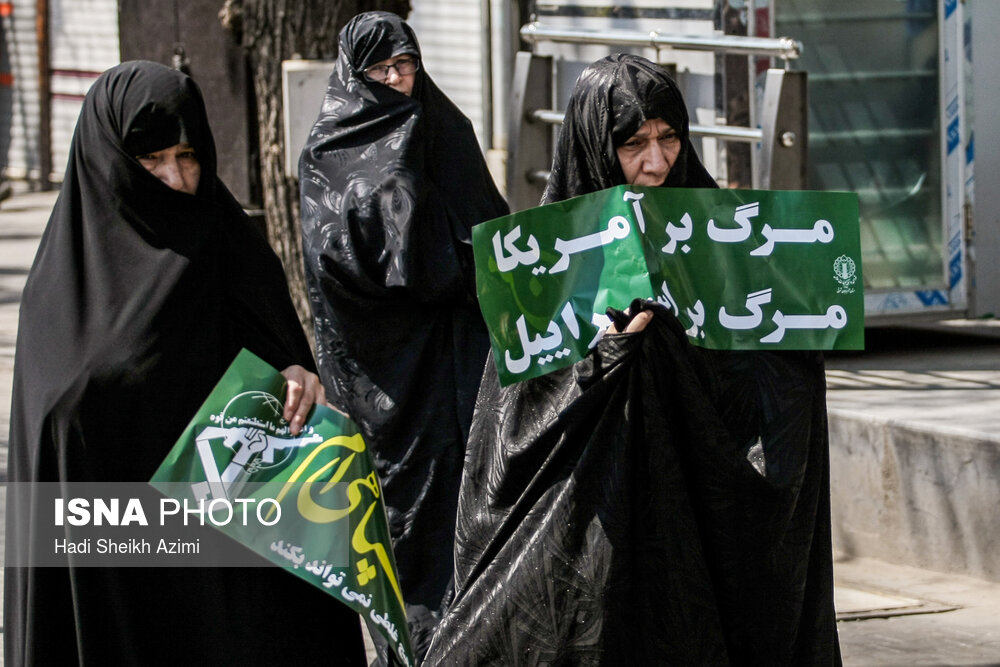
398 72
647 156
176 166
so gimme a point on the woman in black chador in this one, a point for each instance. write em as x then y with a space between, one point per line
392 181
148 280
656 503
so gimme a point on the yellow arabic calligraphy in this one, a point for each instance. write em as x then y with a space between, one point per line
363 546
356 444
318 514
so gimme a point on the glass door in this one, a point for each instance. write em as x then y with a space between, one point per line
875 129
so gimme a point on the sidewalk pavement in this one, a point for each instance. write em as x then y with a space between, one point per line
893 615
890 614
915 440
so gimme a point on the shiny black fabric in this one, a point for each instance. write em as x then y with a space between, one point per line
657 503
391 186
138 299
610 514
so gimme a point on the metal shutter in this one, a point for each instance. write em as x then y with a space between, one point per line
450 33
83 36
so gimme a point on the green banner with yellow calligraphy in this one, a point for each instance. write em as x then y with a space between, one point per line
310 503
741 269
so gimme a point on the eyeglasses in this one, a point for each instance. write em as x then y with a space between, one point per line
403 67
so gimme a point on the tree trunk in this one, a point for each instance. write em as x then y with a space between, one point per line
272 31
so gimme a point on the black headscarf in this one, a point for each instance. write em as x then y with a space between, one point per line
139 298
656 503
391 186
612 98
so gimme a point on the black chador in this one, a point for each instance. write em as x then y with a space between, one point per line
138 300
655 503
391 185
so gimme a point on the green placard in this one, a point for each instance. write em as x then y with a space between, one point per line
741 269
319 489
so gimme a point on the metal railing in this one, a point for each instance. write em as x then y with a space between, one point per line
728 133
778 47
731 133
782 134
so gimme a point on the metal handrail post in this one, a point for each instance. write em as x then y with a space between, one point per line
784 122
530 141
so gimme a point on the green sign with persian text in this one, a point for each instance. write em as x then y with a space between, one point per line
309 503
741 269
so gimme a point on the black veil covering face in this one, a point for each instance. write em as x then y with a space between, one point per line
612 99
391 186
656 503
139 298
